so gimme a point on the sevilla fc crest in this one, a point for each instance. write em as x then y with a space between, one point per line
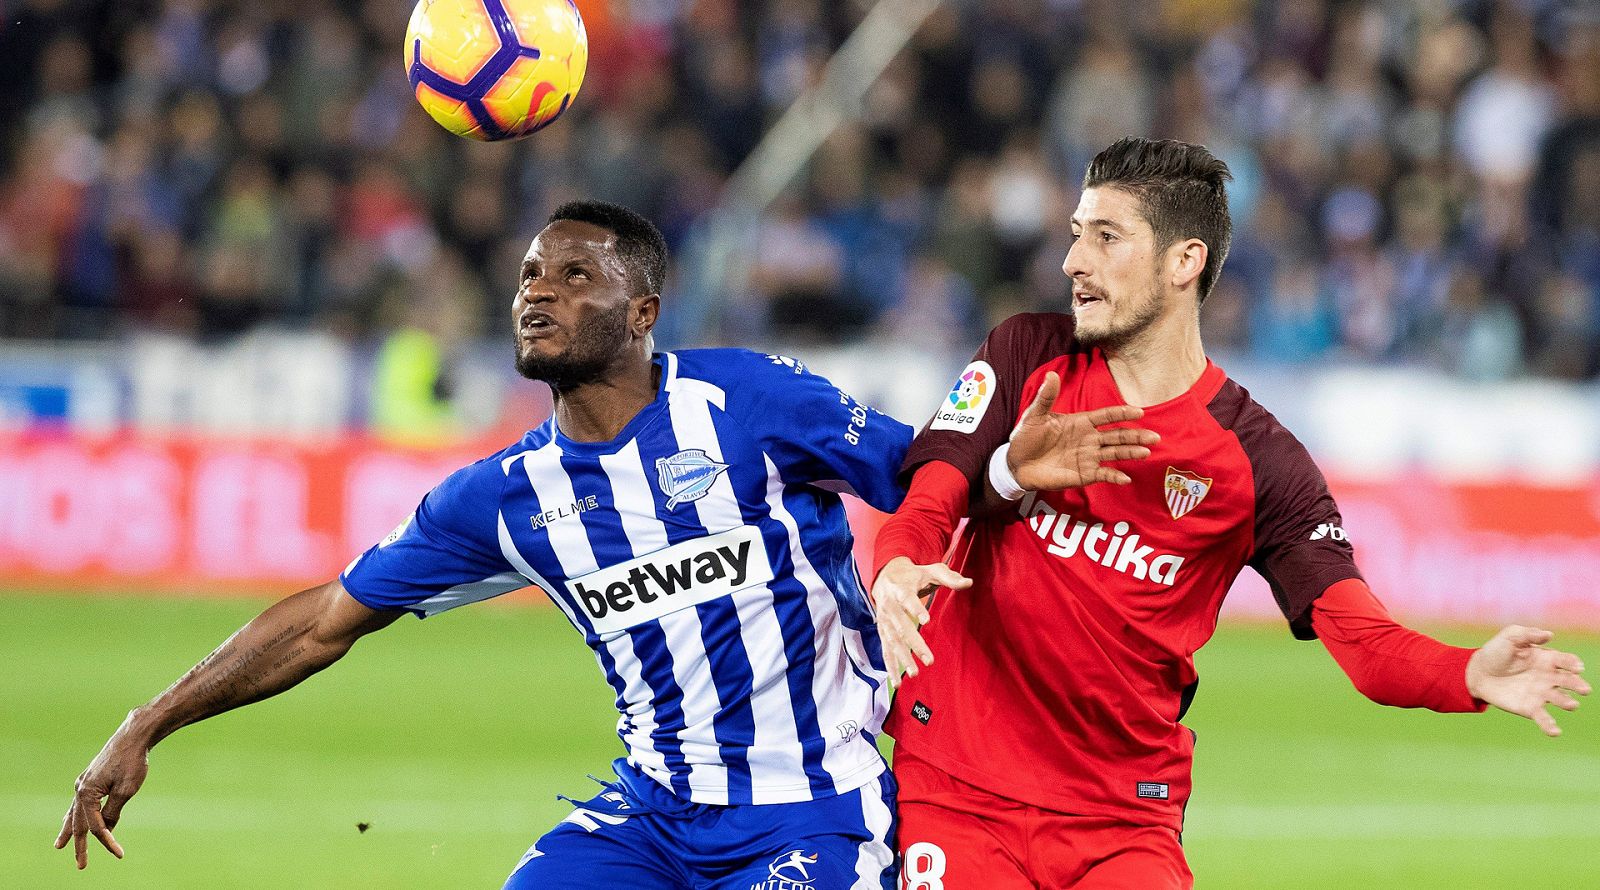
1185 491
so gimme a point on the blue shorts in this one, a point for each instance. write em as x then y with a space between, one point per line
635 833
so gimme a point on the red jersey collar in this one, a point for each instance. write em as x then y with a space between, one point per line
1202 390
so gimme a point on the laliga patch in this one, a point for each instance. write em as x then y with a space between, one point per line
969 398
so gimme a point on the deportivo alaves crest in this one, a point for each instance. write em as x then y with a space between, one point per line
687 476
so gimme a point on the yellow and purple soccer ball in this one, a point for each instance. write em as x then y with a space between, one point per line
496 69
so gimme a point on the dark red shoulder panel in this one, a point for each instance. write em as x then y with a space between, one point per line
1300 544
978 413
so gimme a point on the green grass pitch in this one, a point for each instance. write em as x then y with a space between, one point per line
451 737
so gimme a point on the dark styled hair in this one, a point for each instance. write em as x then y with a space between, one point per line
1182 192
639 242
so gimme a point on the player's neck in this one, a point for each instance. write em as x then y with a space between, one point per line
1160 364
597 411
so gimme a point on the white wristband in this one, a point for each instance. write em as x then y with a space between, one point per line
1000 476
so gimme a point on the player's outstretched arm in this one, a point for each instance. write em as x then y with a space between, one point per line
290 641
897 597
1395 665
1049 451
1515 673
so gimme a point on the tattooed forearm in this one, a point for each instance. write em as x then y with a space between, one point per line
227 678
291 657
293 639
264 658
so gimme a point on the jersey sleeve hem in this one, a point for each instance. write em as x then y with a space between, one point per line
1300 623
964 460
375 604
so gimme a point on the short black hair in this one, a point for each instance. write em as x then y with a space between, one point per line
639 242
1182 192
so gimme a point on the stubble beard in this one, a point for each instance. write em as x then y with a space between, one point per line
596 344
1117 334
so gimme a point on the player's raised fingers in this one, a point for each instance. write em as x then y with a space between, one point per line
103 835
898 627
1113 414
1575 683
1553 671
1565 661
887 643
906 596
1111 475
66 829
948 577
1123 452
906 639
1527 636
1561 700
80 840
895 621
891 664
111 813
916 612
97 827
1045 397
1547 723
916 615
904 665
919 648
1129 435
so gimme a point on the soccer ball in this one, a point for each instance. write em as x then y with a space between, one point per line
496 69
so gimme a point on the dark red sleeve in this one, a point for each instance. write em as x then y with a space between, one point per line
1389 663
1300 545
922 527
978 413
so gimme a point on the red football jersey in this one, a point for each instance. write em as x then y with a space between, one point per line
1060 676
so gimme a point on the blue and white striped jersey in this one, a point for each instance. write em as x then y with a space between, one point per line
704 555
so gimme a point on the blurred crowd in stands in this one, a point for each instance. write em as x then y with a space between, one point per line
1415 180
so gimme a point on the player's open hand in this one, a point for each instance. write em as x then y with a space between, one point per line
898 597
1514 672
1051 451
113 776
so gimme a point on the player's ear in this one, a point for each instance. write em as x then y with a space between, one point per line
1187 259
642 314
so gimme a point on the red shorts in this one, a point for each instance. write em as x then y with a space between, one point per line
956 836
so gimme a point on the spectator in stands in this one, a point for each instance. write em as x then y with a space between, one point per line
1430 166
414 380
